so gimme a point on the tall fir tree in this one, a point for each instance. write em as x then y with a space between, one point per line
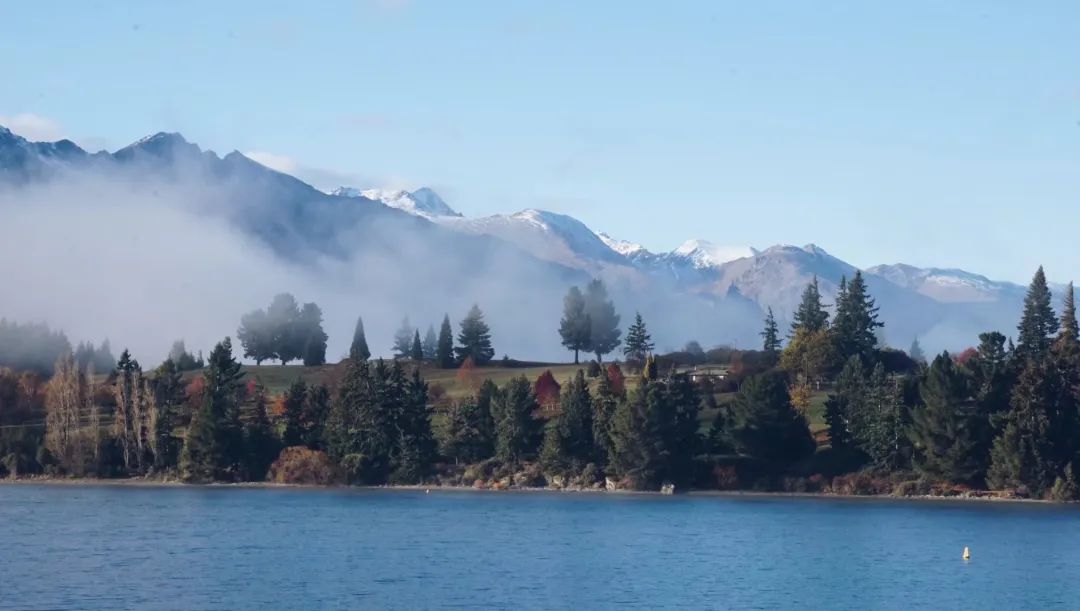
810 315
474 338
915 352
638 345
444 352
214 443
1038 323
604 331
416 351
856 322
575 328
261 447
770 335
842 405
292 403
403 339
517 432
764 424
942 426
568 438
431 344
1023 453
358 350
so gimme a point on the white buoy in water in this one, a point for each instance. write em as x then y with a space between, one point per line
967 553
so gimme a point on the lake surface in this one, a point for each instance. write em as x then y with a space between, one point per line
110 547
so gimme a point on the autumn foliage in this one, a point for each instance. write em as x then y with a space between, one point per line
301 465
547 389
616 379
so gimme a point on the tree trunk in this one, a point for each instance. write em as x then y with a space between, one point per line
576 361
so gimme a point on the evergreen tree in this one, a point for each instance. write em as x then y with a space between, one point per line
314 337
635 451
1023 454
292 428
880 429
916 352
1038 323
314 415
765 425
415 448
212 447
358 350
847 398
605 402
430 345
1070 331
475 338
517 432
638 344
942 427
568 438
575 328
856 322
403 340
168 393
260 445
604 322
810 315
444 353
466 435
1065 488
770 336
416 352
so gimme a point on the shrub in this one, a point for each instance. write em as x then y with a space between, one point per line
593 371
301 465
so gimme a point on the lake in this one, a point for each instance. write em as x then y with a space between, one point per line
109 547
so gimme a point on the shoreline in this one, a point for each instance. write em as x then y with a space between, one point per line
135 482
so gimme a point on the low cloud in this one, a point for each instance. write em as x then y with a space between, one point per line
321 178
33 127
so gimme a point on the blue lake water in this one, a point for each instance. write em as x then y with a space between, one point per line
112 547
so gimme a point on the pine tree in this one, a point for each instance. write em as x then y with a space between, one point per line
214 443
314 415
431 344
517 432
942 426
635 452
415 447
1065 488
604 322
568 438
638 345
810 315
880 432
403 339
856 322
916 352
605 402
765 425
260 445
770 336
475 338
416 352
292 428
843 405
575 326
444 353
1038 323
358 350
1023 454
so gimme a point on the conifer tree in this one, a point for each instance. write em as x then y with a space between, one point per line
880 431
604 322
916 352
568 438
517 433
605 402
638 345
855 324
292 428
810 315
415 446
1023 454
466 433
1038 323
575 328
431 344
942 426
770 336
260 445
474 338
212 447
416 352
444 353
358 350
765 425
635 452
848 396
403 339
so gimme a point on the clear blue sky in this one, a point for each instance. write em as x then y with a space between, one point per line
929 132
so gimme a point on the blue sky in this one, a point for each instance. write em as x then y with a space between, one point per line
926 132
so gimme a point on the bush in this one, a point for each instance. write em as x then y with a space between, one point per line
301 465
593 370
915 487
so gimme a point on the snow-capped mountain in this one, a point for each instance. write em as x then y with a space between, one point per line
700 290
422 202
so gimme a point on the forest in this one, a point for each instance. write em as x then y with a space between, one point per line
822 407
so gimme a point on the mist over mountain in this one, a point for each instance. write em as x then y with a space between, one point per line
161 240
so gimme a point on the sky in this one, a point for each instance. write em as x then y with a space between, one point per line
936 134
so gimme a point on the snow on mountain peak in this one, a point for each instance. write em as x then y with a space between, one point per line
705 254
422 202
622 247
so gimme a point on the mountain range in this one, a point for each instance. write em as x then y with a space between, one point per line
701 290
